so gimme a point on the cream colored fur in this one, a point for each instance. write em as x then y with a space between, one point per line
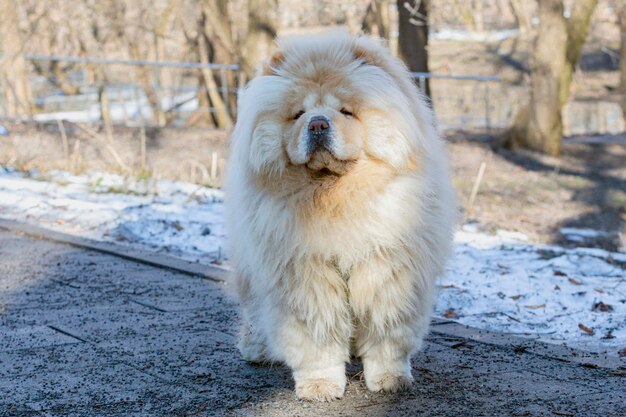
329 266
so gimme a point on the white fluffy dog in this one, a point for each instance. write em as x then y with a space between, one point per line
340 213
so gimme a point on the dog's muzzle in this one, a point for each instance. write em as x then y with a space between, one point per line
318 134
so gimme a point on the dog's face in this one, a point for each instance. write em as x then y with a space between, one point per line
322 130
325 108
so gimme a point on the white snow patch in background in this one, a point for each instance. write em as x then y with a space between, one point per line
498 282
464 35
177 218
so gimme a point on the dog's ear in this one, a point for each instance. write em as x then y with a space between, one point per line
271 66
367 56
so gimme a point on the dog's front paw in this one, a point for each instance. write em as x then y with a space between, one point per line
389 382
252 349
319 389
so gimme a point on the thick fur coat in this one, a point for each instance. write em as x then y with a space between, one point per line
340 213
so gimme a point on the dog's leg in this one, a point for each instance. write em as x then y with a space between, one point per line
313 331
386 363
318 368
252 344
392 310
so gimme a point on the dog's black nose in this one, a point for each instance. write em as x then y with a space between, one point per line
318 124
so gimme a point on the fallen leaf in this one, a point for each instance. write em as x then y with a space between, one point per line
622 353
609 335
516 297
604 308
559 273
574 281
617 373
585 329
450 314
557 288
536 307
599 290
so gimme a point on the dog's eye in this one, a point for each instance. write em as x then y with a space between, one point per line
297 115
347 113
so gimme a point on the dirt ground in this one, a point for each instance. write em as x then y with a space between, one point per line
520 191
85 332
538 195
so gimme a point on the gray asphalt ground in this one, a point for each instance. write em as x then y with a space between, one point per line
88 333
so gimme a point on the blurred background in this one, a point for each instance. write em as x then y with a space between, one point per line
148 90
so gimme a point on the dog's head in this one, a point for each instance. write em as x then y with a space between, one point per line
326 105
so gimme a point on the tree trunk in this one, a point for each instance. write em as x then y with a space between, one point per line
622 60
557 46
549 64
214 43
376 20
144 76
261 33
577 30
520 12
13 69
222 117
61 79
413 36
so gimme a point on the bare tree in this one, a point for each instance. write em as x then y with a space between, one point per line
470 13
521 13
213 42
377 20
13 69
262 29
556 50
413 35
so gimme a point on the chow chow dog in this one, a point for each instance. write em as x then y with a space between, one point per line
340 213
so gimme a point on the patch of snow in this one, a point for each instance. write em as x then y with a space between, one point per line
472 36
171 217
3 131
498 282
120 108
581 232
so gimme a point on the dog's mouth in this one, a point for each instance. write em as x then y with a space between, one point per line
323 164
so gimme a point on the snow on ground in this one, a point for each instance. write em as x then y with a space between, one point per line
180 219
498 282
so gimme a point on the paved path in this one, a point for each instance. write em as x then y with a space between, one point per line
88 333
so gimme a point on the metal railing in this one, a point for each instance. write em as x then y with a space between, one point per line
128 99
484 80
131 62
128 104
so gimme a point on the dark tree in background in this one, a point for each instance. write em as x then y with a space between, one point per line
413 35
